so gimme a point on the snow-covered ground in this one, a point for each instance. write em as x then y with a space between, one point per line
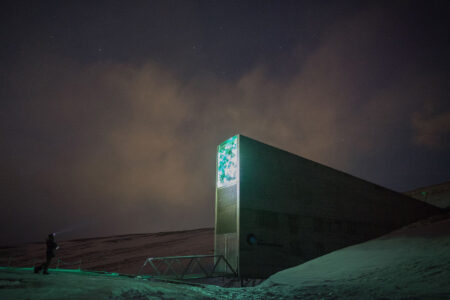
410 263
24 284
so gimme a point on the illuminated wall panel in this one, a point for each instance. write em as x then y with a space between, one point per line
227 162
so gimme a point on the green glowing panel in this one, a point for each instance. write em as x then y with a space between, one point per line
227 162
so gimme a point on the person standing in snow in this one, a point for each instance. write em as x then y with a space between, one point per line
51 247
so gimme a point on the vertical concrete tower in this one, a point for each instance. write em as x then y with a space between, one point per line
226 240
275 210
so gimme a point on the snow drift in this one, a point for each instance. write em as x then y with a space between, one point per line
413 262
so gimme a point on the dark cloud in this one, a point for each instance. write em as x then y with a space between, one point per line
130 147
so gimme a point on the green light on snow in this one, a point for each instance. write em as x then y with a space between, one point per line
227 164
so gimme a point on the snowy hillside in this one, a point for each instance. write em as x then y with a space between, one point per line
413 263
124 253
410 263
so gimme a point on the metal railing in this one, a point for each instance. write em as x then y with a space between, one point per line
183 267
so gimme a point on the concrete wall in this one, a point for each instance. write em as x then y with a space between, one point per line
226 224
298 209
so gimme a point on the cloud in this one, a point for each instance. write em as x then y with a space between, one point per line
133 145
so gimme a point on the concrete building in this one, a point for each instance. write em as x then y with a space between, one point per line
437 195
275 210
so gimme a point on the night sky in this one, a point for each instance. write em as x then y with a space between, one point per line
111 111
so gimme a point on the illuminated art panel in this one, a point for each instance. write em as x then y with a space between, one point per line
227 162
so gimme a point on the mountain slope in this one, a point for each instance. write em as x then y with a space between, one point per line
124 253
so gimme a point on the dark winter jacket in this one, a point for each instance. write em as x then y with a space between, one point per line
51 246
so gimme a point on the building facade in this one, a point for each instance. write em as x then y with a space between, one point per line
275 210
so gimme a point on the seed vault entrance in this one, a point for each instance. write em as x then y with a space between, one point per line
226 227
275 210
